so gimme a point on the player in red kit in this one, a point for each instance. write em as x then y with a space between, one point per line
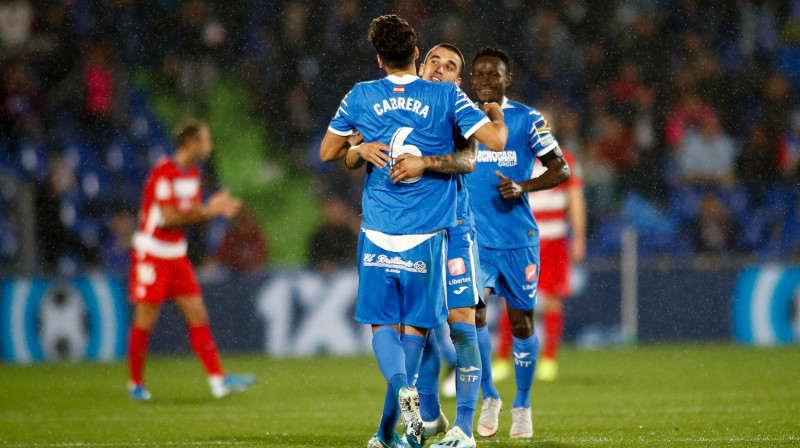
559 212
160 268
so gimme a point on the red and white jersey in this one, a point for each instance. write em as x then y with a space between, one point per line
167 185
549 207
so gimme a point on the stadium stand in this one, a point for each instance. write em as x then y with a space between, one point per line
631 78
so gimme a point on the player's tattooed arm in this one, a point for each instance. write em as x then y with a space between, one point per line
460 162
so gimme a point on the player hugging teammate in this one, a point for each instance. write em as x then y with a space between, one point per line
415 208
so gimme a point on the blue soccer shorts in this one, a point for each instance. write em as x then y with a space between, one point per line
464 287
401 279
513 274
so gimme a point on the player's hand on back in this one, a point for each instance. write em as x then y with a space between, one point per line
374 153
222 204
406 166
508 188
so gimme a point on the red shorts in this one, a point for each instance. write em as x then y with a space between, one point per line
554 274
156 280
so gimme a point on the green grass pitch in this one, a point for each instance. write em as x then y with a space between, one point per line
652 396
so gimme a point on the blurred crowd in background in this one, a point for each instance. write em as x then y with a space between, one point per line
683 113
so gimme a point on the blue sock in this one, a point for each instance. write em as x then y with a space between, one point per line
485 346
391 357
412 348
446 349
391 412
525 353
391 361
468 377
428 381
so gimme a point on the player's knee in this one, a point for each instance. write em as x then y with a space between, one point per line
466 314
522 328
145 317
480 318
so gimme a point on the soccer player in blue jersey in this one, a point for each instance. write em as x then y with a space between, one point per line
401 246
508 237
444 63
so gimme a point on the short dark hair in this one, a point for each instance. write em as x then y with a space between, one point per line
451 47
187 131
394 40
493 53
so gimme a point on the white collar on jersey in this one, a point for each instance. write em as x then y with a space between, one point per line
505 105
405 79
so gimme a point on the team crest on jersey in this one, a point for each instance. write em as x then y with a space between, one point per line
420 267
530 273
558 151
456 266
399 89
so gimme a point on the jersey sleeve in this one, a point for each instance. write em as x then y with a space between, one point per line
540 140
468 117
341 123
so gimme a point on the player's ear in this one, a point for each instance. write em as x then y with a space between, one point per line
508 79
380 61
416 53
421 69
458 82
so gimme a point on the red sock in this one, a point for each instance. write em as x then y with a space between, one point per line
138 341
202 342
553 330
504 341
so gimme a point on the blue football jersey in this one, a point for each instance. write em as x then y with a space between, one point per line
410 115
504 223
463 213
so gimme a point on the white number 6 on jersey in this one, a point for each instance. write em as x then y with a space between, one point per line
399 148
